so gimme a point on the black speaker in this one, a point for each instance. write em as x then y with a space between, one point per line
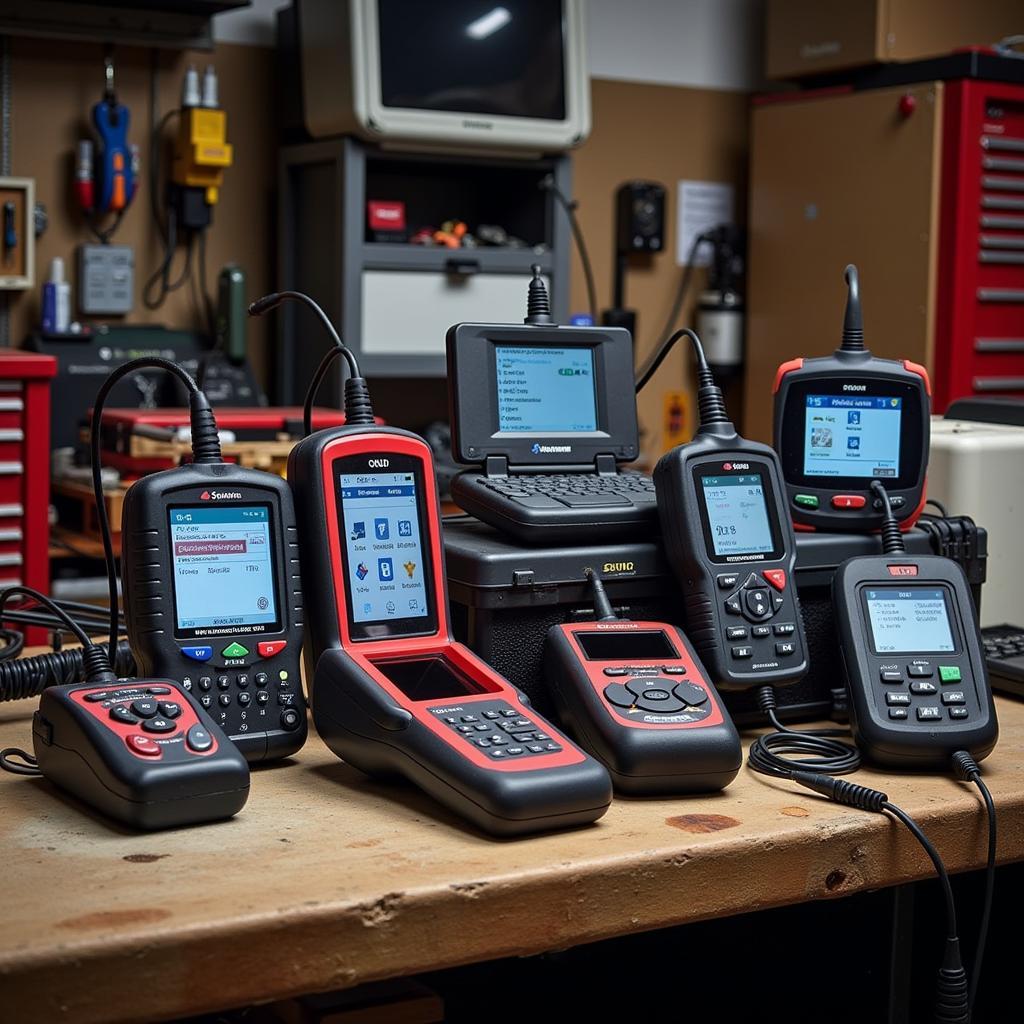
640 217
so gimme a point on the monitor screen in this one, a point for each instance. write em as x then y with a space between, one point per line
626 645
473 56
737 514
545 390
852 436
385 559
909 621
222 563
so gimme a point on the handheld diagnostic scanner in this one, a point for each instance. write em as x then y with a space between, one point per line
637 697
846 419
731 547
914 657
391 691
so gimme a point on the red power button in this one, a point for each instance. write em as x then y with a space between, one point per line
848 501
268 648
776 577
139 744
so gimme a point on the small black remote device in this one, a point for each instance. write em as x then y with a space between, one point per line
915 663
730 543
636 696
548 415
846 419
143 752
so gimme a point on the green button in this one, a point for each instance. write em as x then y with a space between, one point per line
949 673
807 500
234 650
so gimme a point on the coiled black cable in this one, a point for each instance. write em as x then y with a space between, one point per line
813 749
28 677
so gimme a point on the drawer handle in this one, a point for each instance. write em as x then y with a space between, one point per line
999 345
983 384
461 267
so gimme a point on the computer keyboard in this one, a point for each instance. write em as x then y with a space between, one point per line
574 490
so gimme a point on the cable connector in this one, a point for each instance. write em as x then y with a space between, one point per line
538 308
358 407
965 767
766 702
602 606
205 437
892 537
853 320
842 792
951 990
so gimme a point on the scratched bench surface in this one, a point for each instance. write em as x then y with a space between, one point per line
326 880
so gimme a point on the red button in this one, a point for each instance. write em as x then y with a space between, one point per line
776 577
848 501
143 745
268 648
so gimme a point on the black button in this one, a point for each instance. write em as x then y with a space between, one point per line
889 676
223 682
757 603
754 582
523 737
262 696
759 631
736 633
469 718
616 672
514 751
205 682
535 748
482 727
145 708
552 746
656 694
158 691
928 714
671 706
898 713
451 720
777 602
158 724
186 684
958 713
674 670
784 629
464 729
169 709
728 581
95 698
541 736
922 688
261 678
524 723
508 713
784 648
242 681
617 694
497 752
733 606
290 719
224 699
742 652
206 699
690 694
922 671
198 739
954 697
244 698
482 742
490 715
897 699
119 713
499 741
286 700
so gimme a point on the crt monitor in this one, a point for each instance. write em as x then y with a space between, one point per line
458 73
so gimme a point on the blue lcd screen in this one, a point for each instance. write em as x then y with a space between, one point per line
545 390
385 552
222 561
852 436
737 514
910 621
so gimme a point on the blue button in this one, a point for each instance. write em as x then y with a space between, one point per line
198 653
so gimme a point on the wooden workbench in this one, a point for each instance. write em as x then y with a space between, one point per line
326 880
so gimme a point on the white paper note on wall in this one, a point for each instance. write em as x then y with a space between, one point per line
701 205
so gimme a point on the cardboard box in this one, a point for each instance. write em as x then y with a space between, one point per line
811 37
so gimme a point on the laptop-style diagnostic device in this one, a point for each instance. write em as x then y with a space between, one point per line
548 415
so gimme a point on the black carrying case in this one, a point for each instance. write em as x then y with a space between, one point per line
504 597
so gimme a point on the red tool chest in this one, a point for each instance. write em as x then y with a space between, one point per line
25 471
979 325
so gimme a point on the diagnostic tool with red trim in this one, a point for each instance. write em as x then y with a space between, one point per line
846 419
635 695
391 691
914 657
731 548
143 752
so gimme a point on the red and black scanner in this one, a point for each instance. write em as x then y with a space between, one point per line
391 692
846 419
